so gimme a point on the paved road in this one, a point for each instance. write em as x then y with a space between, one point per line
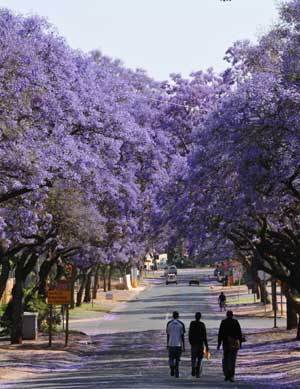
132 343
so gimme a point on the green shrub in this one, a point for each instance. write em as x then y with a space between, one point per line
4 324
2 309
34 303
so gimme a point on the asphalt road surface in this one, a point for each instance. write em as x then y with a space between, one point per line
131 342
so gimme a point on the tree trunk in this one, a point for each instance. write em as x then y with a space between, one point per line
96 283
291 315
5 269
17 306
81 290
109 277
263 291
24 267
104 278
88 284
43 275
298 329
256 290
141 269
59 272
73 280
274 295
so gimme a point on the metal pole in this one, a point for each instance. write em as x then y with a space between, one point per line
63 316
281 300
92 288
67 325
274 301
50 324
265 294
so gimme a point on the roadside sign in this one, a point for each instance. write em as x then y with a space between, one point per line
60 293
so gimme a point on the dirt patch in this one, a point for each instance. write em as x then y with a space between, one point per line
35 357
271 357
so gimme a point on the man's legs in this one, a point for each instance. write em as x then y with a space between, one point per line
198 366
193 359
177 360
231 364
174 359
225 364
171 361
197 355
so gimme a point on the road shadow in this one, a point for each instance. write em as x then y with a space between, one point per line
130 360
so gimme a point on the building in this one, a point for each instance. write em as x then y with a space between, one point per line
162 261
155 261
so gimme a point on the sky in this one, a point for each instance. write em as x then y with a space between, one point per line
160 36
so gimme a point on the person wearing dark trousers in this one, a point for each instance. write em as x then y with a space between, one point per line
175 343
197 339
230 336
222 301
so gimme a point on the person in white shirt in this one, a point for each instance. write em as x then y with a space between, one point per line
175 343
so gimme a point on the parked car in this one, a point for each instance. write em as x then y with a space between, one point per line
194 282
171 279
173 269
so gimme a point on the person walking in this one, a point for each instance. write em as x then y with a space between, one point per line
197 339
230 336
175 343
222 301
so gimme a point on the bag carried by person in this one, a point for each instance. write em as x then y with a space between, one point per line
233 343
207 354
201 367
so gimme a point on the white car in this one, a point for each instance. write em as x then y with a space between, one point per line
171 279
173 269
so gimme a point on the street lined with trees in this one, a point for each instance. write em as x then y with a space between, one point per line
100 164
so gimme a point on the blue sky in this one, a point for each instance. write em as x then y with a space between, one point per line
160 36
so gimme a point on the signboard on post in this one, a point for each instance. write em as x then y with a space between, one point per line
60 293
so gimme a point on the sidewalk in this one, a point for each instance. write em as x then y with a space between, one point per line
270 357
242 302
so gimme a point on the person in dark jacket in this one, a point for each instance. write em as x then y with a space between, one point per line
222 301
230 336
197 339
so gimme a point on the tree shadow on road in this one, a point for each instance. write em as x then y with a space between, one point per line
129 360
